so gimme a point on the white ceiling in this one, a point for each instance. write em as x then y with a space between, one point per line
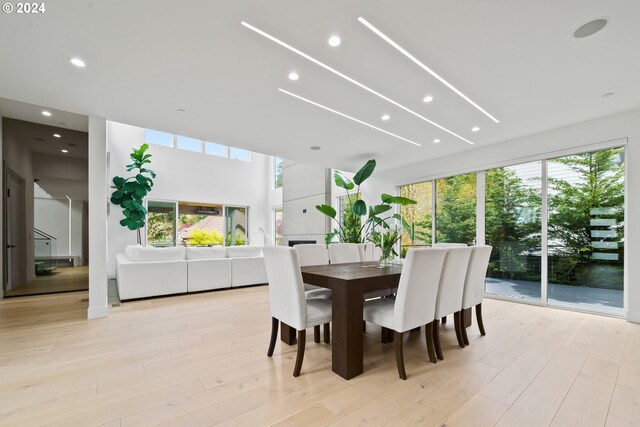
145 59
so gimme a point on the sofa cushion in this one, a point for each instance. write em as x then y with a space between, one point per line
128 251
243 251
146 254
206 252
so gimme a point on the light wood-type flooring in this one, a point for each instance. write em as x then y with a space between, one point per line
63 279
199 359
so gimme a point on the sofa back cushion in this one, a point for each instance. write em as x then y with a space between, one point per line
145 254
128 251
206 252
243 251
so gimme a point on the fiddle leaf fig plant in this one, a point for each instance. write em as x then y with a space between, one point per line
130 192
357 228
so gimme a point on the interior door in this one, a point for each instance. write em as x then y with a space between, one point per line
14 276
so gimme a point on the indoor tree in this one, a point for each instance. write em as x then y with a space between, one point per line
130 192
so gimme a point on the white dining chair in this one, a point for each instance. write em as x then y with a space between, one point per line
474 285
450 290
288 302
415 301
369 252
342 253
449 245
313 254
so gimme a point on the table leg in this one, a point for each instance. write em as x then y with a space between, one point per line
287 334
346 349
466 317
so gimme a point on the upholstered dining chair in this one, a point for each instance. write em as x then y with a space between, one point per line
288 302
450 290
415 301
474 285
313 254
449 245
342 253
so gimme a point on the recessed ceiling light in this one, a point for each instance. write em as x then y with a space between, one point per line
475 129
385 117
57 135
348 117
46 113
293 76
64 151
590 28
424 67
349 79
607 95
334 41
78 62
427 98
435 141
180 110
314 148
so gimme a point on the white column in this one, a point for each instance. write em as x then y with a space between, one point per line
632 230
1 214
98 280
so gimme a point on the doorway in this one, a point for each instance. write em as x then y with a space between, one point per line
14 215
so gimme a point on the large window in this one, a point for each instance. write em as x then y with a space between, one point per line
277 172
456 209
419 216
277 226
513 227
195 224
586 230
161 223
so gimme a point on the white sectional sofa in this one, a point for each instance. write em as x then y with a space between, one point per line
147 271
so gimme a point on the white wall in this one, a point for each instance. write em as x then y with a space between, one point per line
1 213
62 220
624 125
190 177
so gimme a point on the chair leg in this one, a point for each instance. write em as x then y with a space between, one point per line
444 320
463 329
430 347
479 319
397 336
458 325
327 333
316 334
274 336
436 339
302 338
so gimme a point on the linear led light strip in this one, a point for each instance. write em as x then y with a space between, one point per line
424 67
349 79
324 107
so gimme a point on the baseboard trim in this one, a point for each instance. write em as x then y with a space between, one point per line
97 312
632 316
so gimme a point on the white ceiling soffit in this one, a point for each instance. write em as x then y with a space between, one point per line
518 61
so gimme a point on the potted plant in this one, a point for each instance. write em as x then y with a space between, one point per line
130 192
375 223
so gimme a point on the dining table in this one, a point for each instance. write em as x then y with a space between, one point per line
348 284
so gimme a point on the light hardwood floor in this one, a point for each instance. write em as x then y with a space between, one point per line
63 279
200 359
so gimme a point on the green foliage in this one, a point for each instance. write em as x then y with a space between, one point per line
188 219
240 239
130 192
160 229
456 209
386 242
352 228
202 237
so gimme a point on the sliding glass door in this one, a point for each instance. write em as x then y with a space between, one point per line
456 209
586 231
513 206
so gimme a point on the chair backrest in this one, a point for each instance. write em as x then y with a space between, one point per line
368 252
416 297
454 273
286 289
476 275
315 254
341 253
449 245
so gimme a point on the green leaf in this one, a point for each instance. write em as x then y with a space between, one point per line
359 208
342 181
364 172
397 200
407 227
118 181
327 210
378 209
